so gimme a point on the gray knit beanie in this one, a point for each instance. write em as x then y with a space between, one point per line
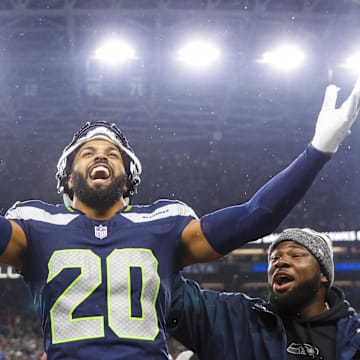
318 244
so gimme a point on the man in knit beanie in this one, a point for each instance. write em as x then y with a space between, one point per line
317 243
300 270
304 317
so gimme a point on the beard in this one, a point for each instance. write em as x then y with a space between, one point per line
100 198
290 302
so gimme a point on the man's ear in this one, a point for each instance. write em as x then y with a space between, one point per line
324 279
70 182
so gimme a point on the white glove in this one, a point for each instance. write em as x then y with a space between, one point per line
333 125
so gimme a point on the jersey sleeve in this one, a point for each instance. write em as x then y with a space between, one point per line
177 213
16 213
186 214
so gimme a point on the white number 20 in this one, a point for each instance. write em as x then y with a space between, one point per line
64 327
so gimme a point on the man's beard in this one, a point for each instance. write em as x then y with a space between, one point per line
100 198
291 302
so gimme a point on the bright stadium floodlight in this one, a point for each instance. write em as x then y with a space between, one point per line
198 54
352 63
115 52
284 58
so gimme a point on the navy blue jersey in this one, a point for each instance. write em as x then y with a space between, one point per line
102 288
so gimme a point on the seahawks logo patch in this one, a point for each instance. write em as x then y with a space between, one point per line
303 349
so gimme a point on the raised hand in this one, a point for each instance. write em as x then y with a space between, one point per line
333 125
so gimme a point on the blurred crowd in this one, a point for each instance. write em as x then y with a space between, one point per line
20 335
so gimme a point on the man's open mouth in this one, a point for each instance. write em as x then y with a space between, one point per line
100 172
282 282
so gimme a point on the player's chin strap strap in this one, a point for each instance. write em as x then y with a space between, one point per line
67 201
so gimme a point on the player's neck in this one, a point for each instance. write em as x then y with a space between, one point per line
98 214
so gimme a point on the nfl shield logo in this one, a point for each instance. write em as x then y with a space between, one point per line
101 231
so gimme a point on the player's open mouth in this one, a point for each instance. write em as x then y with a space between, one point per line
282 282
99 173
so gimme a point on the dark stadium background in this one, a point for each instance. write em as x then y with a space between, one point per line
209 138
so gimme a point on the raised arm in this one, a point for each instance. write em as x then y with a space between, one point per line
220 232
12 243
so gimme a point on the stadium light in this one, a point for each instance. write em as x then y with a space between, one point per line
198 54
283 58
115 52
353 63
